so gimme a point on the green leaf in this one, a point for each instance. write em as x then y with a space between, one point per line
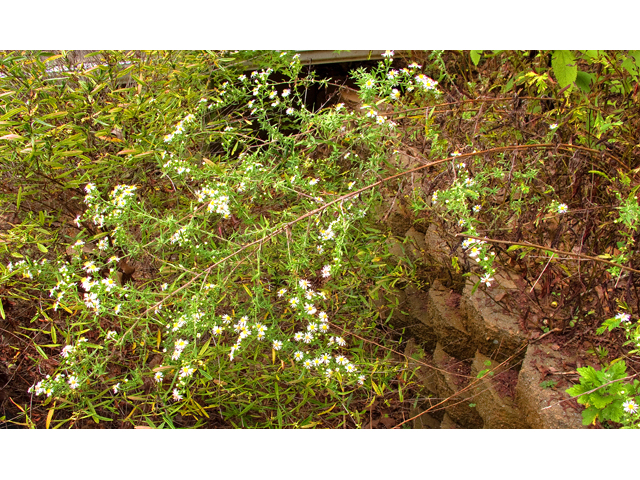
40 351
70 153
618 369
613 411
600 173
600 401
54 115
476 55
593 54
564 67
204 348
588 375
583 81
630 66
589 415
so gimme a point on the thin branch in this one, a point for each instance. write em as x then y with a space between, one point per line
553 250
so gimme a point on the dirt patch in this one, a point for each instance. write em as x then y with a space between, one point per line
460 371
505 383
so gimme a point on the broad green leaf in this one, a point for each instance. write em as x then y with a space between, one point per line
600 401
613 411
476 55
583 81
564 67
589 415
588 375
630 66
618 369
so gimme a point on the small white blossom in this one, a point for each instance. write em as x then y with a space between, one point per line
326 271
630 406
176 395
73 382
486 279
623 317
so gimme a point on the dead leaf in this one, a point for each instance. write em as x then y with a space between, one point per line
388 422
11 136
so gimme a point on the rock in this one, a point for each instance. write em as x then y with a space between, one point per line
498 334
448 423
533 398
457 405
417 302
395 248
424 421
447 324
422 364
394 303
436 248
497 411
415 244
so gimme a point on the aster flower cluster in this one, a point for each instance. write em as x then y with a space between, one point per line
386 82
191 321
456 202
244 331
179 129
62 384
179 346
58 385
479 251
261 91
175 164
375 115
218 201
107 212
315 335
181 236
27 268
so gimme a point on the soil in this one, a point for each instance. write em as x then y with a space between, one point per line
460 370
505 383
